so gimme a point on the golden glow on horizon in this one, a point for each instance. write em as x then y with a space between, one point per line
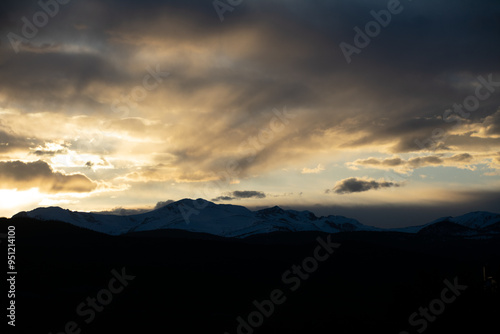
13 201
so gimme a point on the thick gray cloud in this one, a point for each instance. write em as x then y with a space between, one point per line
49 153
248 194
238 194
23 176
458 160
355 185
119 211
222 198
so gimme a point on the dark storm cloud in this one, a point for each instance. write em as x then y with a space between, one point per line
355 185
426 36
57 81
458 160
456 31
23 176
238 194
222 198
119 211
418 26
401 131
462 157
248 194
50 153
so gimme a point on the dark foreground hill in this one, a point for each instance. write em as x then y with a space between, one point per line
181 282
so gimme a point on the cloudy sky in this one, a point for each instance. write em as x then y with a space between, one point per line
385 111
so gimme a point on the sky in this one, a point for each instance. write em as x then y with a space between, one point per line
383 111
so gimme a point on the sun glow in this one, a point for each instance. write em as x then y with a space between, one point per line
13 201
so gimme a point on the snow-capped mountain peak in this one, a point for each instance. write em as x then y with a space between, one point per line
202 216
477 219
237 221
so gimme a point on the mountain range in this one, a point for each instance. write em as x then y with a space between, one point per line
201 267
226 220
